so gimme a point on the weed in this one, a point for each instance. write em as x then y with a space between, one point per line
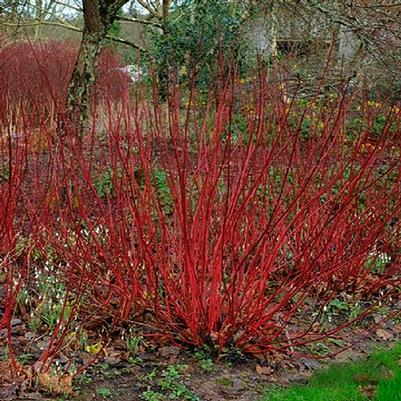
103 183
84 378
105 370
170 382
26 358
223 381
3 353
163 190
318 349
103 392
150 395
133 343
204 360
152 374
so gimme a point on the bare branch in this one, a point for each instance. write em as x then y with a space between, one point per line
140 21
52 23
148 8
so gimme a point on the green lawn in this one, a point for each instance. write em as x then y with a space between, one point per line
376 378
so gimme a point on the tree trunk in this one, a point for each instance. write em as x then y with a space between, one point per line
99 15
82 82
164 65
273 31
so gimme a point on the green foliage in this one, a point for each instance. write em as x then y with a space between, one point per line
170 385
133 344
103 392
192 37
340 305
115 29
163 190
150 395
380 375
204 360
318 349
26 358
50 308
103 183
376 262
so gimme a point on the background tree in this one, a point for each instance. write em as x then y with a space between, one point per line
99 16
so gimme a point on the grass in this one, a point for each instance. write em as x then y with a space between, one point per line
376 378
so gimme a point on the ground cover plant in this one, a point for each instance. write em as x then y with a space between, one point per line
377 378
205 221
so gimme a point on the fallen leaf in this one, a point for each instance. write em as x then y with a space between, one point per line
263 370
368 391
386 373
5 371
397 328
56 384
94 348
316 327
384 334
12 374
365 379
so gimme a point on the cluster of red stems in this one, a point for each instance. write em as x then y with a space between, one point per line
211 219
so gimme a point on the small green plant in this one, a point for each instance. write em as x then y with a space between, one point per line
103 392
377 262
105 369
150 395
233 356
172 373
224 381
25 358
333 309
83 379
339 305
170 384
133 344
170 381
318 349
163 190
3 354
103 183
152 375
204 360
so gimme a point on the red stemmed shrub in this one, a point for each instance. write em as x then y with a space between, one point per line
37 74
217 220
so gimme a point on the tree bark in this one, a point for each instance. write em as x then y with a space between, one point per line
99 15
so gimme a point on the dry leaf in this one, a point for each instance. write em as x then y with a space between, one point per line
368 391
384 334
397 328
316 327
11 374
386 373
56 384
94 349
263 370
5 371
